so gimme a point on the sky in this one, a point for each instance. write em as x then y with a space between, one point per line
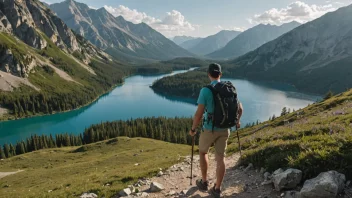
201 18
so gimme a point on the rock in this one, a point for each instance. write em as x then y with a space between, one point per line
288 179
325 185
184 192
49 191
156 187
266 182
132 189
125 192
181 168
249 167
171 193
292 194
142 194
88 195
278 171
262 170
267 176
160 173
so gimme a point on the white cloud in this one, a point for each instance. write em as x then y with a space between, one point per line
91 7
240 29
298 11
173 24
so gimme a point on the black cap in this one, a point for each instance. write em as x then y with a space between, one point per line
214 68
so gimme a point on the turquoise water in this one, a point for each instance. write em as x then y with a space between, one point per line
136 99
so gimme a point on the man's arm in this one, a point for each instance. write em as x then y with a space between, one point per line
197 118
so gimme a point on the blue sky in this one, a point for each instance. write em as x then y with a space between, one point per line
205 17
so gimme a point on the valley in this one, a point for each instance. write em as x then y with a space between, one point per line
97 96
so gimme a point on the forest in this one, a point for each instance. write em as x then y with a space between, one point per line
174 130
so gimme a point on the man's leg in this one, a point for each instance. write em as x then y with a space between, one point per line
220 170
205 141
220 148
204 164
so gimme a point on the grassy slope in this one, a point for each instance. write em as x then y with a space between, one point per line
69 173
314 140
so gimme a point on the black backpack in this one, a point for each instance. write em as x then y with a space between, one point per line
225 105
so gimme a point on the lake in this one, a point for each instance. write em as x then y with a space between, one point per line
135 99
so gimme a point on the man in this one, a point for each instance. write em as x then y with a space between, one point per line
211 135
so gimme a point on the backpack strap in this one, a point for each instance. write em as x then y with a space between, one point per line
214 92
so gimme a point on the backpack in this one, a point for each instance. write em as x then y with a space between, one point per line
225 113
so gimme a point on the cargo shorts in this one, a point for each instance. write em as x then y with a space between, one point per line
218 138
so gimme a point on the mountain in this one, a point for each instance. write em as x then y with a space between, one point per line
251 39
44 66
117 36
214 42
191 43
181 39
315 57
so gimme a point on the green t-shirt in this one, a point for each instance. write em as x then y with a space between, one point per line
206 98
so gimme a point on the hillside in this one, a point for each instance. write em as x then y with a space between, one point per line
46 68
213 42
314 139
315 57
103 168
251 39
120 38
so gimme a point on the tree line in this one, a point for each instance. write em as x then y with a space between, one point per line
174 130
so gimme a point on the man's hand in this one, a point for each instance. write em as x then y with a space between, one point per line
238 125
191 133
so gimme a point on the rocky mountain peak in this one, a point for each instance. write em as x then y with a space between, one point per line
27 16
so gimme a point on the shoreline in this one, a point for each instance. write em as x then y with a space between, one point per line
5 117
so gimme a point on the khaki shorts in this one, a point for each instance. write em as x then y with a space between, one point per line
219 138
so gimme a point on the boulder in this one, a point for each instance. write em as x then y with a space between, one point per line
160 173
278 171
125 192
156 187
88 195
292 194
325 185
288 179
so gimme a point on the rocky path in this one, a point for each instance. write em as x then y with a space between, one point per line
4 174
238 182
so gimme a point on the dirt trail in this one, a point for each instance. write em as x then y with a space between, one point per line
4 174
237 182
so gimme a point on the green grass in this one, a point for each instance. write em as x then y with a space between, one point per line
69 172
314 141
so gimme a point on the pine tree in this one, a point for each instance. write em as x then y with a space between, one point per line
7 151
2 153
284 111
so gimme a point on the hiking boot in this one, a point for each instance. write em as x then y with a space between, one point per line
202 185
215 192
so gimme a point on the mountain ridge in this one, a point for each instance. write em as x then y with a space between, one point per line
116 35
251 39
214 42
317 54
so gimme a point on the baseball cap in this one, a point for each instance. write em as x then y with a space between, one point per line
214 68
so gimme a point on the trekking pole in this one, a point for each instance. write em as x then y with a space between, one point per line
192 161
239 143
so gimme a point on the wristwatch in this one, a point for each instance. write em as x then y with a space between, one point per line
193 130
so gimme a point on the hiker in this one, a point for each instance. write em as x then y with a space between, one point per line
216 128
